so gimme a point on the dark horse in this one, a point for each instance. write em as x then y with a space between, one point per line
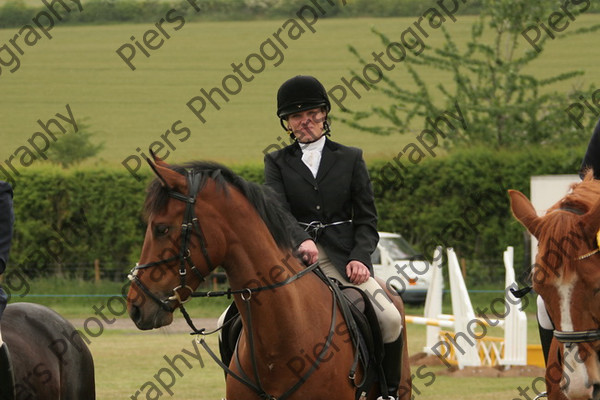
567 276
49 359
289 317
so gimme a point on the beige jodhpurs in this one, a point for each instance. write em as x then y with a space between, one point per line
390 320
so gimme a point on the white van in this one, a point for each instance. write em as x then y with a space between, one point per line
401 267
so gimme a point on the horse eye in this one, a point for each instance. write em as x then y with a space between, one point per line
161 230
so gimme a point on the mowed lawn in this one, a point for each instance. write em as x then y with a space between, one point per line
129 109
128 361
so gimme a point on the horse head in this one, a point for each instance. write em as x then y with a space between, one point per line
566 275
176 256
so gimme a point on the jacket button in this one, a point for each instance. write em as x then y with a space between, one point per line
316 188
318 207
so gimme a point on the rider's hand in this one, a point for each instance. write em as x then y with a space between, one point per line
308 252
357 272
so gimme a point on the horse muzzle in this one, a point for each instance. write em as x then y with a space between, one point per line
581 373
149 316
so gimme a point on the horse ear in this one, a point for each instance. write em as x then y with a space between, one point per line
168 178
157 159
524 212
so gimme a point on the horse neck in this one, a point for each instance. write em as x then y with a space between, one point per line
256 261
260 263
252 257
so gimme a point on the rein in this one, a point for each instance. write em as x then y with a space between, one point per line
314 228
189 226
245 294
256 384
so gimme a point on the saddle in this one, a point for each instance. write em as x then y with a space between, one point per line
363 329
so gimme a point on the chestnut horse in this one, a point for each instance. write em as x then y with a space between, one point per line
567 276
294 343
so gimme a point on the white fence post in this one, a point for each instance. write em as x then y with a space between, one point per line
465 344
515 325
433 301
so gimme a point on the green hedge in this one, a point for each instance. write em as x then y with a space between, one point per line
66 220
461 201
15 13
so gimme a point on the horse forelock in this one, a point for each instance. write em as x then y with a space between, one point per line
264 200
559 242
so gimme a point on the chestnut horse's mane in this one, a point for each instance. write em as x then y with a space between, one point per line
278 220
561 230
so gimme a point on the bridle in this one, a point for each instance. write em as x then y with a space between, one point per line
190 225
568 338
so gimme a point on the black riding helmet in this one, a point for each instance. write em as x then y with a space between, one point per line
301 93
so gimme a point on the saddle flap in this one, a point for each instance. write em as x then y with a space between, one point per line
369 340
366 321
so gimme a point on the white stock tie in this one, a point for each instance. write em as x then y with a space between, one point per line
312 158
311 154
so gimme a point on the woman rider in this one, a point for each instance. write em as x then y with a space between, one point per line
326 187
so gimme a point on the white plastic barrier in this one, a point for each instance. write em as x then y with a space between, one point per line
515 327
433 303
469 346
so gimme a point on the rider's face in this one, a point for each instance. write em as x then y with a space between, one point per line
307 126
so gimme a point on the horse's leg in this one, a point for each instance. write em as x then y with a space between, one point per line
554 373
405 389
85 386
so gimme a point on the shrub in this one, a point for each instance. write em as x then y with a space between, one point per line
15 13
67 219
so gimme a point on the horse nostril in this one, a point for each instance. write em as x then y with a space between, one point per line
135 313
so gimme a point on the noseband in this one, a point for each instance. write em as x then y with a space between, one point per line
568 338
190 225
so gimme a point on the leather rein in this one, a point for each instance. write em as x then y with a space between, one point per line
191 226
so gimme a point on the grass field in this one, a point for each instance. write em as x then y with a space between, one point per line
126 359
132 109
140 358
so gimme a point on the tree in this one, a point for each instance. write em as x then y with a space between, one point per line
74 147
503 105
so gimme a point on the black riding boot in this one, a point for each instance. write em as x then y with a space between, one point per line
546 336
7 379
392 365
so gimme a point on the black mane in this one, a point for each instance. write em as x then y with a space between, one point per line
264 200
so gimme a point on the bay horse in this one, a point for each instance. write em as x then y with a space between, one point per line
294 344
566 275
50 360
